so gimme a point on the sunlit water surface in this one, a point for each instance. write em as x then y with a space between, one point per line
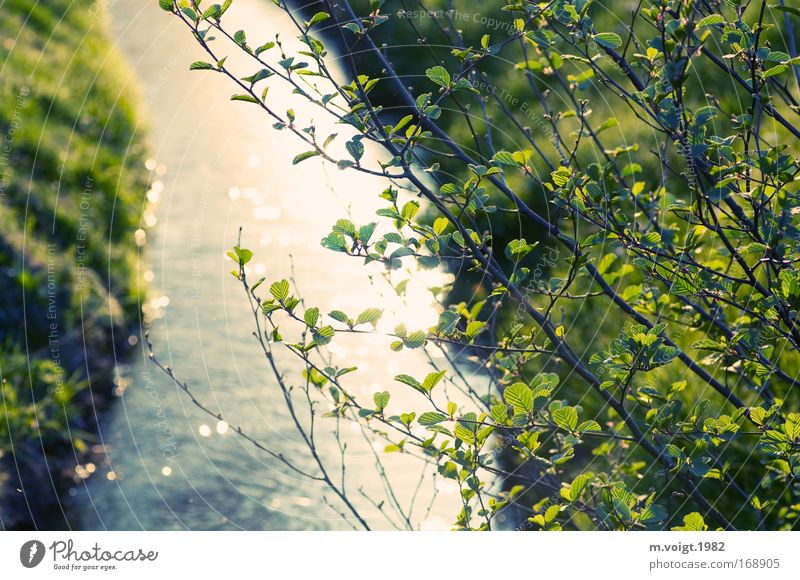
217 165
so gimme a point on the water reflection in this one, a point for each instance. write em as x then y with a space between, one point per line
161 463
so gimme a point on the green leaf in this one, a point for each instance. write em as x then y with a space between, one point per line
189 12
324 335
381 400
317 18
758 415
792 426
432 380
329 139
280 290
431 418
243 255
520 420
474 328
520 396
356 149
440 225
579 484
505 158
692 522
353 27
608 39
448 320
708 344
608 123
652 514
518 249
339 316
365 232
245 98
269 306
370 315
589 426
587 75
165 5
544 381
566 418
711 20
311 317
439 75
264 47
551 513
622 509
345 226
304 156
334 241
415 339
408 380
201 65
500 414
212 12
258 76
605 263
409 210
466 428
774 71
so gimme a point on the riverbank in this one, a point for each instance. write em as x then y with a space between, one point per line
72 191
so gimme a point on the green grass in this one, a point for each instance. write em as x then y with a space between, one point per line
72 185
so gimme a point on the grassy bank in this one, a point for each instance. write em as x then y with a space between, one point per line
72 184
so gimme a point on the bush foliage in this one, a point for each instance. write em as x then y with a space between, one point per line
622 184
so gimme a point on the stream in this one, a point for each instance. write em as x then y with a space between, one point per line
161 463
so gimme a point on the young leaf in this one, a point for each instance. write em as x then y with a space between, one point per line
245 98
369 316
339 316
608 39
431 418
439 75
311 317
317 18
520 396
432 380
692 522
415 339
356 149
381 400
324 335
280 290
566 418
408 380
303 156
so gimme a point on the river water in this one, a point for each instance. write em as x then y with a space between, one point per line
217 166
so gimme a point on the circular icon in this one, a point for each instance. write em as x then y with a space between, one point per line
31 553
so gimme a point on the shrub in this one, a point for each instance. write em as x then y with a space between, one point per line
37 405
643 358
